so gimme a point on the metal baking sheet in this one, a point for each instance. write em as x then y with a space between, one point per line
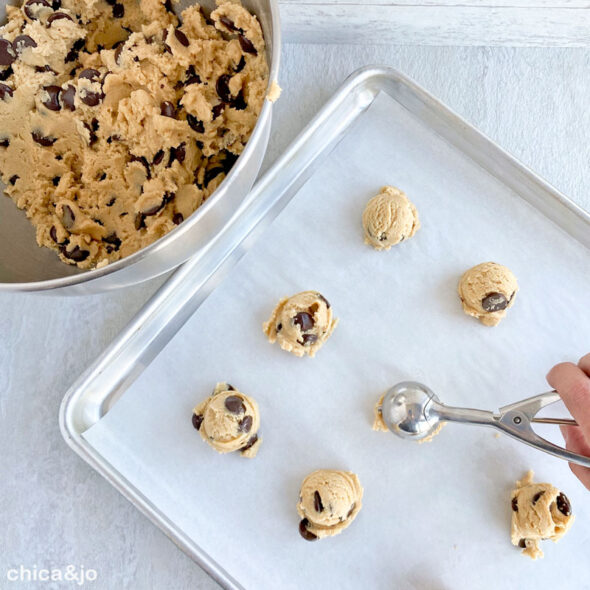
433 516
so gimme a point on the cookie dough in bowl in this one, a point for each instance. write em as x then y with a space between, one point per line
119 119
389 218
487 291
329 501
301 324
228 421
539 511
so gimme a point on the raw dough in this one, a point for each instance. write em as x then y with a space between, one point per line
301 323
389 218
116 122
379 423
329 501
229 420
487 291
539 511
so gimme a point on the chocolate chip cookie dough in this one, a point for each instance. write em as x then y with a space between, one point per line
389 218
329 501
302 323
118 119
539 511
229 420
487 291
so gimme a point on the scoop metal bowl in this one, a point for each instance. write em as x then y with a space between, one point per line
413 411
24 266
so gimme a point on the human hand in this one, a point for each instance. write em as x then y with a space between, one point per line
572 382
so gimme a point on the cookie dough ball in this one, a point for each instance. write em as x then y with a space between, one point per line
379 423
302 323
229 420
487 291
539 511
329 501
389 218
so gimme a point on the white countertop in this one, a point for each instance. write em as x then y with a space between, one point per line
57 511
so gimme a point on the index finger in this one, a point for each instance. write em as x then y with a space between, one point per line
573 385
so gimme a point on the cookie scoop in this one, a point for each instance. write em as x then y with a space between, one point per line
301 324
329 501
487 291
228 421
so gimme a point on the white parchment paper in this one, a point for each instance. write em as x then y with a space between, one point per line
435 516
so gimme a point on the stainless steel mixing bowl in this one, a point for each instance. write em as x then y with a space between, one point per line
24 266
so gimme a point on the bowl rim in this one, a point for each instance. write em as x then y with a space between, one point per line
160 244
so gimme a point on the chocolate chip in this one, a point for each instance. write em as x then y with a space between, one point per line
5 74
77 254
158 157
195 124
111 2
234 404
222 87
241 65
197 421
563 504
23 41
53 234
351 510
118 11
68 97
317 502
91 98
55 180
537 496
75 50
4 142
112 202
45 68
56 4
91 131
228 161
180 153
142 160
522 543
29 7
247 45
307 535
167 109
42 140
182 38
13 179
217 110
58 16
90 74
279 327
139 221
253 440
177 218
320 296
7 53
154 209
118 51
168 6
304 320
238 102
67 217
245 424
494 302
52 100
228 23
515 504
308 339
102 177
5 91
211 174
113 239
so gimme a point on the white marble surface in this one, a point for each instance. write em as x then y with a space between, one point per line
54 510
